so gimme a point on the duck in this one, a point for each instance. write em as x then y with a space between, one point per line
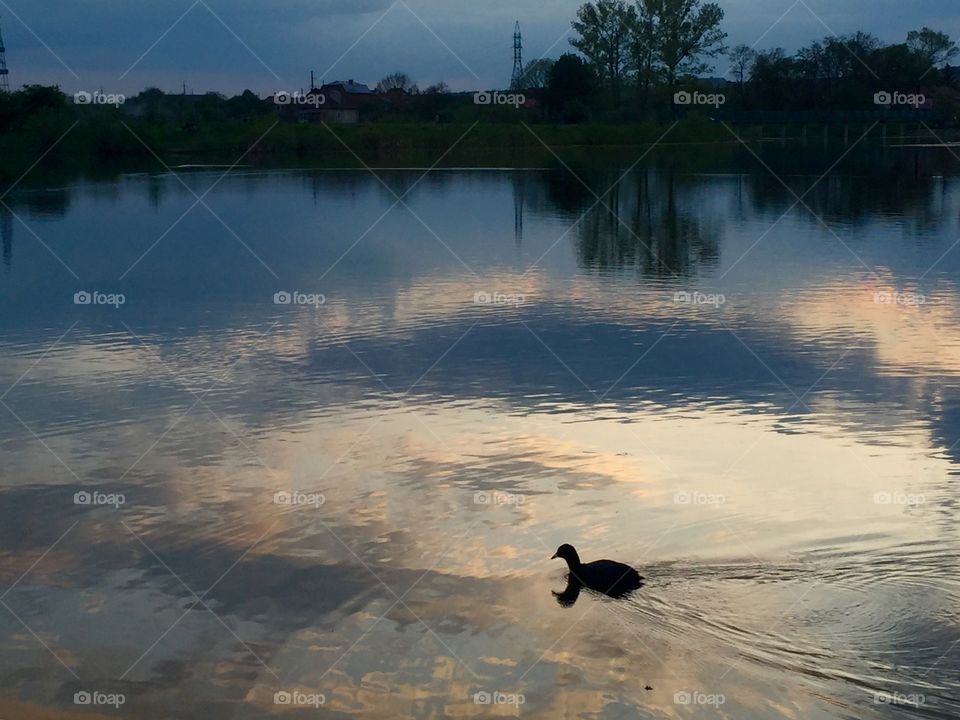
605 576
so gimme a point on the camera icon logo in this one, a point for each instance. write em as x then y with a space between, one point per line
282 697
82 98
682 97
82 298
282 498
482 98
882 98
82 498
281 97
482 298
282 298
82 698
482 697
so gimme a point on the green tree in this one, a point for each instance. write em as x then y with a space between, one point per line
604 33
33 99
535 74
773 79
569 88
684 33
398 81
644 51
936 47
246 106
742 58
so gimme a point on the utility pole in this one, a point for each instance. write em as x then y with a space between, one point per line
4 73
517 57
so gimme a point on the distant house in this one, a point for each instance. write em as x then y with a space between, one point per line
349 87
342 102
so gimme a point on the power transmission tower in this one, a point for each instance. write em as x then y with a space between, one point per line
4 73
517 57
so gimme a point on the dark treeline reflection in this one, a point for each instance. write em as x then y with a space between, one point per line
660 217
651 221
663 216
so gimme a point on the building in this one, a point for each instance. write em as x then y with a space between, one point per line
342 101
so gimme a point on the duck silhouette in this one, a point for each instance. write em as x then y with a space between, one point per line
609 577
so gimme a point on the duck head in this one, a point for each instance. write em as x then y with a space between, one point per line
568 553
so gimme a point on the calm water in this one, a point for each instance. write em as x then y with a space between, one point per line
757 408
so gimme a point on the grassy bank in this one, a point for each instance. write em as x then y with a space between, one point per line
102 143
110 139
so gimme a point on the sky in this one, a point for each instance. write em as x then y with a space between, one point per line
268 45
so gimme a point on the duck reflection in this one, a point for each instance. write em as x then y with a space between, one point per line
568 596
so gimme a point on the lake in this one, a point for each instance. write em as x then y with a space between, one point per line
300 443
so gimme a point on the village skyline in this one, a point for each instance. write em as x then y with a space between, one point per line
228 49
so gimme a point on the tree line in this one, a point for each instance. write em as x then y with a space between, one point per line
632 58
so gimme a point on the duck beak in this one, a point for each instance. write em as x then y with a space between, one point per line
553 557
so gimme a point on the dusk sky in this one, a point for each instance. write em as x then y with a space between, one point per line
266 45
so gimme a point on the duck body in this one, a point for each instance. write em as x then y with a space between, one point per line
606 576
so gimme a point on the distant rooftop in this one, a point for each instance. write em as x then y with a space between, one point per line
352 87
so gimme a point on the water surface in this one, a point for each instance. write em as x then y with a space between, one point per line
753 400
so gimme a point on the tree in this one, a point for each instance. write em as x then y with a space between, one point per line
246 106
773 79
684 33
604 31
569 88
34 99
398 81
439 88
535 74
643 51
837 72
899 66
936 47
742 58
